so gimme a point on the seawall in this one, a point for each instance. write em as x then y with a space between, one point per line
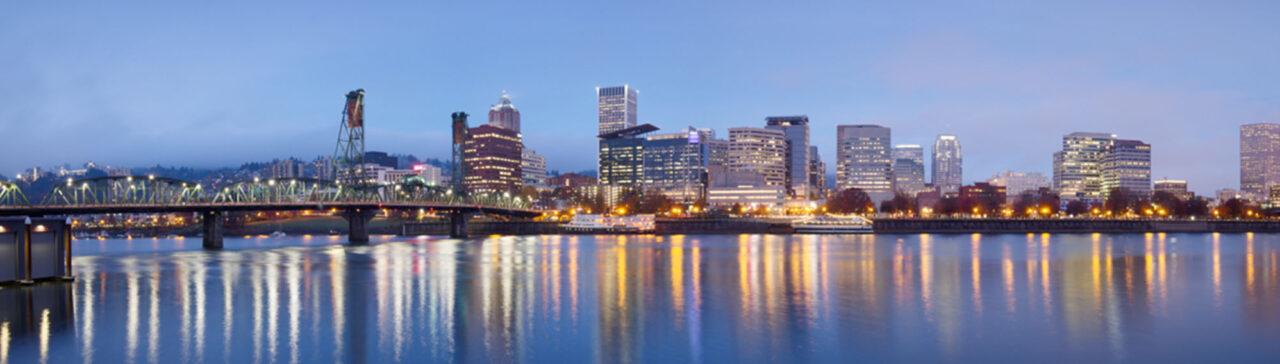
901 226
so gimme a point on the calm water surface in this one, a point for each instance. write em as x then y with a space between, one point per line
711 299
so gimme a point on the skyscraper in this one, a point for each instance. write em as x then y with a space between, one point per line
492 157
504 115
761 151
1077 170
675 164
616 108
817 174
622 156
864 160
947 164
1126 165
533 168
1259 159
908 169
796 131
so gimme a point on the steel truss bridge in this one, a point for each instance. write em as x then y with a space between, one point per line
151 194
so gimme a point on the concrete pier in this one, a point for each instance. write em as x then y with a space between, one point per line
358 224
212 221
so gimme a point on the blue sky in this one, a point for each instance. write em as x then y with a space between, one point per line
217 84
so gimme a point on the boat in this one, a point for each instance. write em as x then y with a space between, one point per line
277 234
833 224
604 224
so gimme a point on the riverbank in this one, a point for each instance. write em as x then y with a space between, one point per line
671 226
904 226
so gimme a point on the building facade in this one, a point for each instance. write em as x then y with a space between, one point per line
1126 165
616 108
1078 167
492 156
1016 183
908 169
505 115
817 175
795 130
761 151
622 156
864 160
533 168
947 164
1176 187
675 164
1259 159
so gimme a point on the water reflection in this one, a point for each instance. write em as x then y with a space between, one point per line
1087 297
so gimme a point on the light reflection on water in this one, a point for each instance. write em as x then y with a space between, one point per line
1062 297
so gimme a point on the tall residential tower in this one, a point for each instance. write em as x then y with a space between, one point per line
947 163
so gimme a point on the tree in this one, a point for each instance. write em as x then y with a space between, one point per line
1121 201
1077 207
887 207
947 206
653 202
852 200
1169 202
1233 208
902 204
1197 206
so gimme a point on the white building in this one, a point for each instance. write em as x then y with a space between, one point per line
533 168
759 150
864 160
1016 183
947 164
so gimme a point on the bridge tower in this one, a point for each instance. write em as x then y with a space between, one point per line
458 166
348 155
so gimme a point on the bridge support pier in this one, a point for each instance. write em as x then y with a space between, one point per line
212 221
358 224
458 225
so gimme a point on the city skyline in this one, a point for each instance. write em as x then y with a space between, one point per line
119 87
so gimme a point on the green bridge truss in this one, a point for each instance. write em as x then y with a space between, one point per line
152 190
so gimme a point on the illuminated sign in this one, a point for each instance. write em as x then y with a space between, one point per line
694 138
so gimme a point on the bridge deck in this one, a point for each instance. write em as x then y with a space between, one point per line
50 210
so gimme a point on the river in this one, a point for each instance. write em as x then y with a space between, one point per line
694 298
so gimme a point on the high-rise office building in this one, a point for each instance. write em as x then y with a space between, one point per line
533 168
908 169
864 160
1077 169
616 108
492 157
1259 159
504 115
795 130
1126 165
947 162
675 164
622 156
1018 182
718 151
817 175
761 151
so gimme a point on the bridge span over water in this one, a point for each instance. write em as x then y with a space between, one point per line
358 205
